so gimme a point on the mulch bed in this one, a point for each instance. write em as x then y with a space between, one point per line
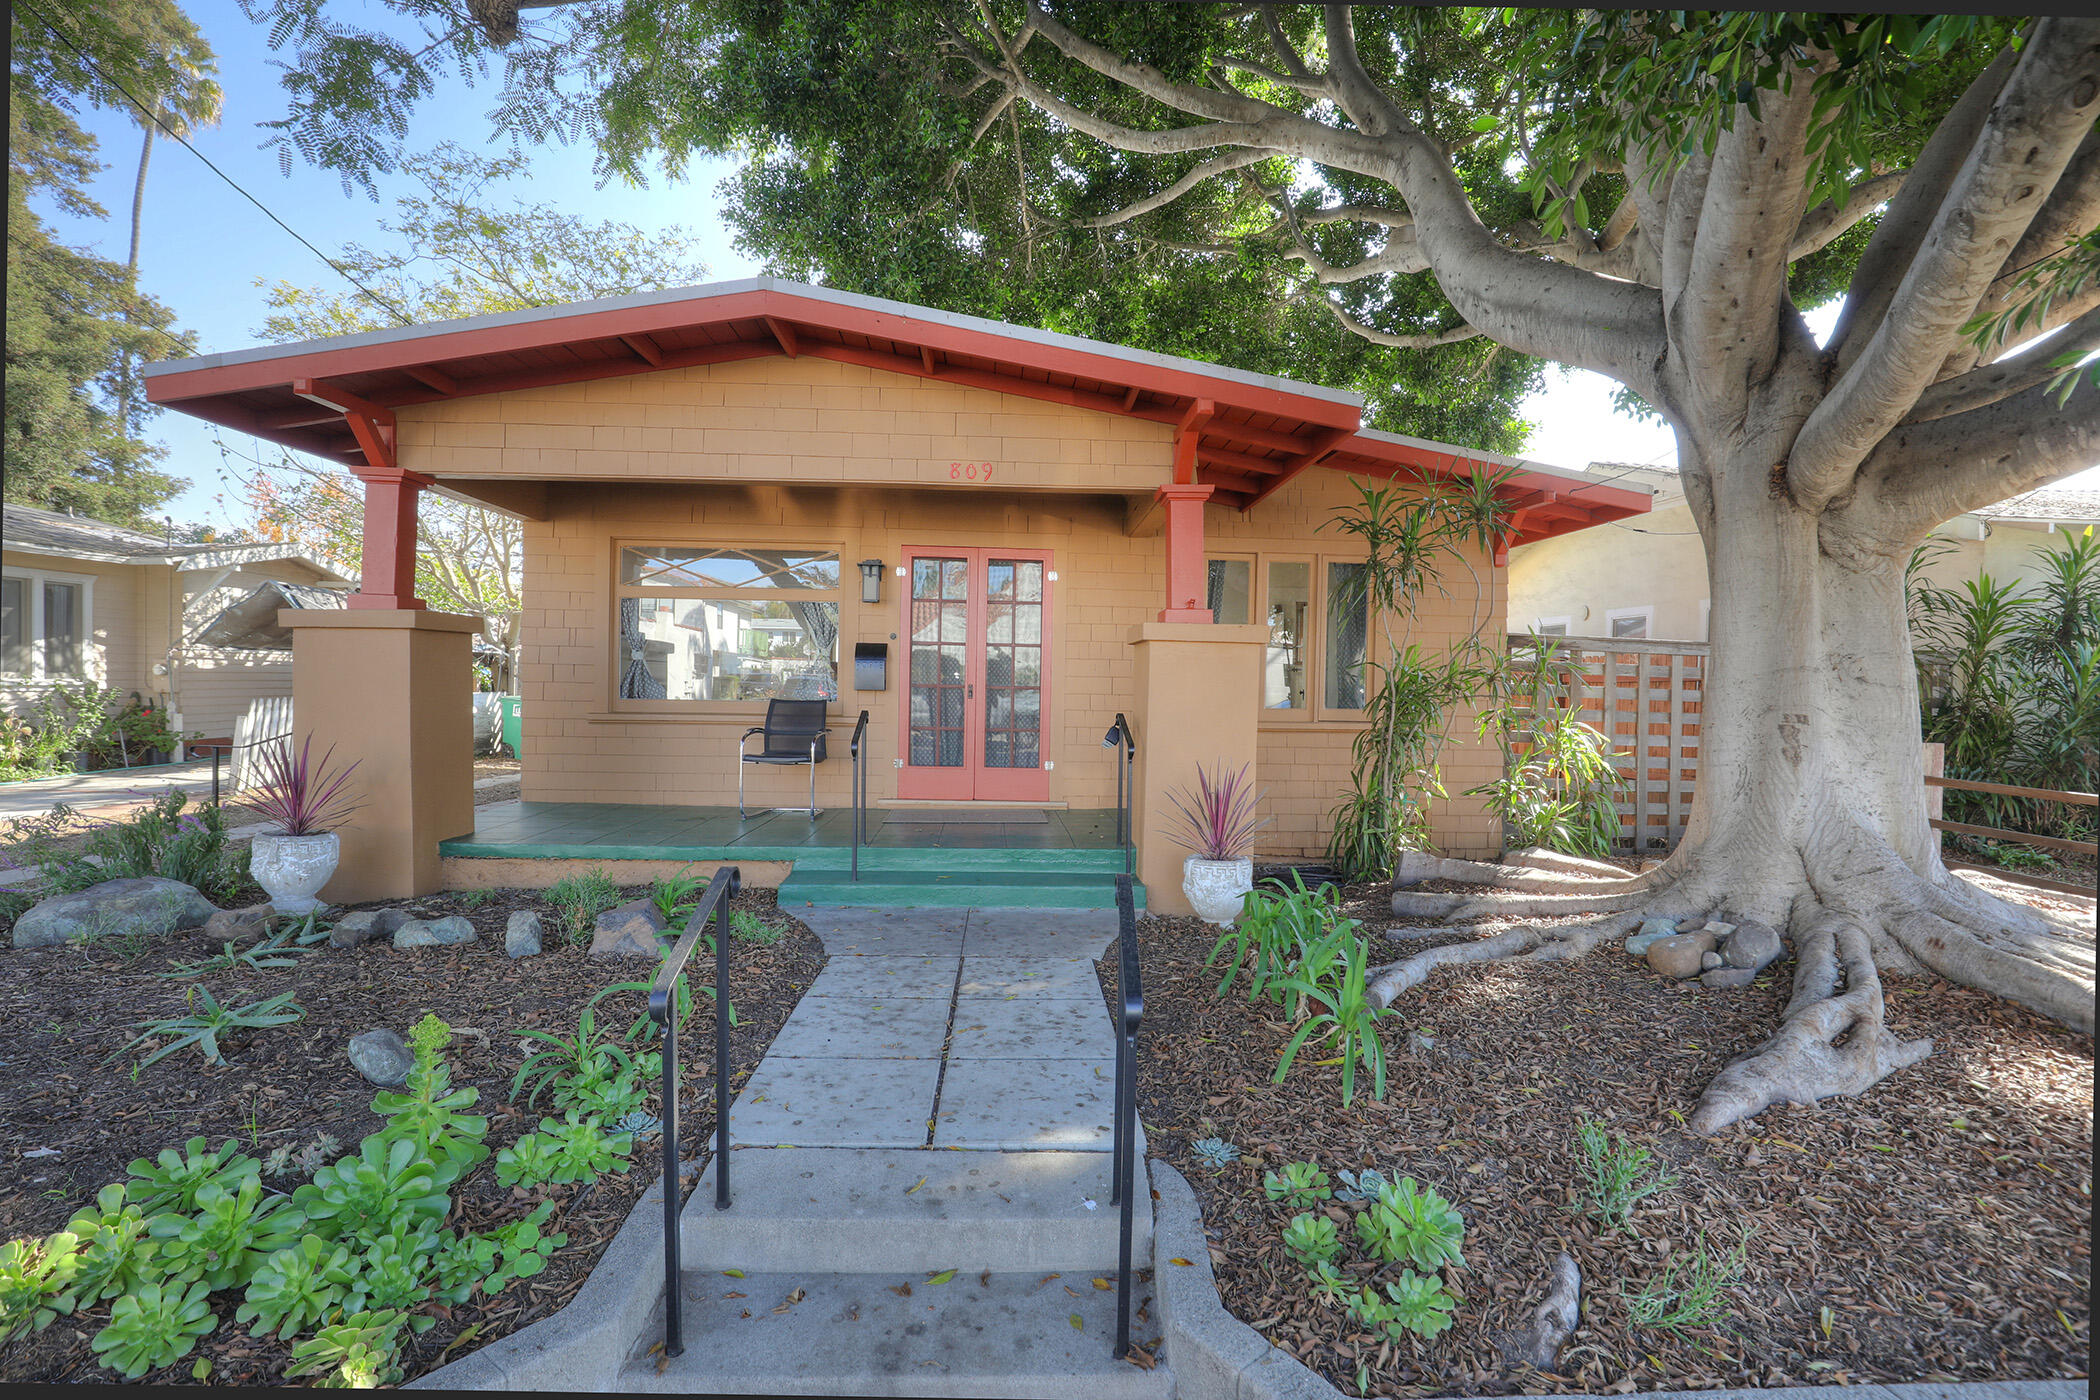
66 1009
1937 1228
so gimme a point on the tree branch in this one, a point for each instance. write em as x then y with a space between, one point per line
2034 365
1195 177
2044 111
1399 342
2072 210
1926 473
1822 224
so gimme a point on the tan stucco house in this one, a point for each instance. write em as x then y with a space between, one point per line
990 540
1647 577
82 599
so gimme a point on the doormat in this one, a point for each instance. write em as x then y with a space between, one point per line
966 816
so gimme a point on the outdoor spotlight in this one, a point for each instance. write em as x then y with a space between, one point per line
1113 737
871 580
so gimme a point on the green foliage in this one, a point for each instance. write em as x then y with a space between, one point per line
747 927
1412 1303
644 1029
579 1059
262 955
1689 1291
1298 1185
395 1273
174 1180
1558 783
228 1237
155 840
428 1111
1331 978
524 1247
460 1263
575 1147
1215 1153
388 1188
1365 1186
296 1288
1615 1176
115 1254
1406 1224
1312 1240
154 1327
578 900
304 1160
674 897
1273 932
204 1026
36 1282
357 1353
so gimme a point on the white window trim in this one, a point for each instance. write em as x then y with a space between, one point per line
34 637
1565 624
1706 619
1645 612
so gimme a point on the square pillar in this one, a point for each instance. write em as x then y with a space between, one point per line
391 690
1198 701
388 572
1188 577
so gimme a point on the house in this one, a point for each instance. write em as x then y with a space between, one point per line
81 599
991 540
1647 577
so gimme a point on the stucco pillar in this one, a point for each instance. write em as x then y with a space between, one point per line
1188 576
391 690
1198 700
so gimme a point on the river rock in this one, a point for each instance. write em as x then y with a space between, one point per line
146 904
382 1057
1725 978
1709 960
240 925
432 933
1650 931
366 926
1751 945
1679 955
631 931
1719 930
521 936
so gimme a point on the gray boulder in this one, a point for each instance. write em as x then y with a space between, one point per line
434 933
1708 961
1752 945
633 930
366 926
147 904
1680 954
521 936
240 925
382 1057
1650 931
1724 979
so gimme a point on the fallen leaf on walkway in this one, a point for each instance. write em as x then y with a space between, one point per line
915 1186
1103 1284
1139 1357
942 1277
1077 1324
1184 1263
736 1295
734 1273
902 1290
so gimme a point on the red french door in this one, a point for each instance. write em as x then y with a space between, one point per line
977 675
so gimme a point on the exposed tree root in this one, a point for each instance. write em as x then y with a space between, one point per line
1539 858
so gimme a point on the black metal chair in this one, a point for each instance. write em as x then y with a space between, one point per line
794 733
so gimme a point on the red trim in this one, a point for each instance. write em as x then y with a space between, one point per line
784 333
1323 445
1187 576
973 781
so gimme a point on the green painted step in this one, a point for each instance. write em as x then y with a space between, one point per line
922 859
952 889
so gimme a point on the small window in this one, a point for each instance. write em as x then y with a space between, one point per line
45 625
729 567
1631 623
62 651
1550 627
14 626
1348 633
1230 595
1290 618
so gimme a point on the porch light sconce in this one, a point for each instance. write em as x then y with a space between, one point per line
871 580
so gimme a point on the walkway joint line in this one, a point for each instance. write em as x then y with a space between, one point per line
940 1079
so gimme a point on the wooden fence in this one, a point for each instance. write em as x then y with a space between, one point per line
1645 697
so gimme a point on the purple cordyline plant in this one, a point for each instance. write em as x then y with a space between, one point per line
302 796
1217 821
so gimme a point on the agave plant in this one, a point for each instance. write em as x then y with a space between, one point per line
303 796
1217 820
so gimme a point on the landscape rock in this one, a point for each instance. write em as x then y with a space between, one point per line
1752 945
1650 930
1680 954
382 1057
1725 978
240 925
434 933
1708 961
1719 929
147 904
631 931
365 926
521 936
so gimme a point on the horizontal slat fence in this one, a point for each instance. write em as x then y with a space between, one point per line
1645 697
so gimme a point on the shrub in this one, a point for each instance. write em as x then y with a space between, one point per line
1688 1294
570 1060
1333 976
1217 820
578 900
1558 787
154 1327
1273 932
1616 1177
1406 1224
158 839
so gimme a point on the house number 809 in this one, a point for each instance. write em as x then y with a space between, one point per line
969 471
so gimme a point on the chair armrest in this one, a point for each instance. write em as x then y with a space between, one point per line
754 729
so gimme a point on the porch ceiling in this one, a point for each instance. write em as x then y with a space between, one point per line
1254 432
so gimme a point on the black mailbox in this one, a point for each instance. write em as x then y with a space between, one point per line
871 663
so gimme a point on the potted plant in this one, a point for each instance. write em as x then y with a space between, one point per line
1216 824
307 801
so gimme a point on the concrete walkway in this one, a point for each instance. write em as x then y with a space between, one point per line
93 792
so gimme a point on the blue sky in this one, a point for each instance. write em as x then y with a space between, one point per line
207 252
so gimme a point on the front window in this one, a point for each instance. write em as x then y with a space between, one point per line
1230 594
1348 634
44 625
727 623
1290 635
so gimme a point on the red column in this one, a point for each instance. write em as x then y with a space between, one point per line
1188 577
389 571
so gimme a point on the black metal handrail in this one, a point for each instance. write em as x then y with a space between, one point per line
217 749
663 1009
1119 736
1130 1013
859 779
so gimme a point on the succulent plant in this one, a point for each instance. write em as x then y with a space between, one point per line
296 1288
1215 1153
154 1327
172 1180
228 1238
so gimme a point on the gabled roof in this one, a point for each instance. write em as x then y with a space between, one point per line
1259 430
39 531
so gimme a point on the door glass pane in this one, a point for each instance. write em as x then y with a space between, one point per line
1290 609
1348 628
62 629
940 610
14 626
1231 590
1013 670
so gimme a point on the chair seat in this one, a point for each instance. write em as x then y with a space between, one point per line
789 758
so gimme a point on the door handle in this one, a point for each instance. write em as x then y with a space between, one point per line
970 692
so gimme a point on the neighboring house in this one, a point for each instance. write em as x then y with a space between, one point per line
85 600
1647 577
731 493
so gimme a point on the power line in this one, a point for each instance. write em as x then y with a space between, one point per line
176 136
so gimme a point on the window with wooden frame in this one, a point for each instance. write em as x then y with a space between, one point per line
1319 629
703 625
45 623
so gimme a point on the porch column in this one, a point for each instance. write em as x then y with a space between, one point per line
1188 579
1198 693
388 575
390 689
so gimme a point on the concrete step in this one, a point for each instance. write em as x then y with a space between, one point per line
953 888
853 1334
846 1210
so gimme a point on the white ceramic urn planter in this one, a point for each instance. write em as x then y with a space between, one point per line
1217 889
292 869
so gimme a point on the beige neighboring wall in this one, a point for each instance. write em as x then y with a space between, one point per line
127 615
